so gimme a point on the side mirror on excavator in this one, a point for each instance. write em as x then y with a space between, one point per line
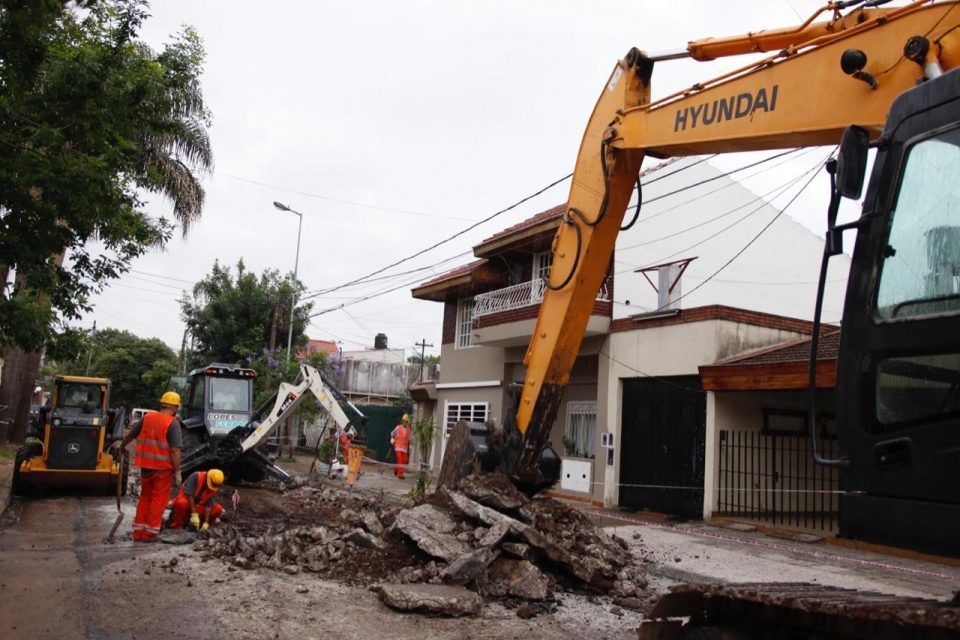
847 172
852 161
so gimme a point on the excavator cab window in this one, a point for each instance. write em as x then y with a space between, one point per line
920 273
915 390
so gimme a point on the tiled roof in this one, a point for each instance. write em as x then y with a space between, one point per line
319 346
796 351
543 216
468 268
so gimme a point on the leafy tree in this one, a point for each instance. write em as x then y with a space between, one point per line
139 368
243 317
428 361
90 117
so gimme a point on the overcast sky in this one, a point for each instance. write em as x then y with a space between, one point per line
392 125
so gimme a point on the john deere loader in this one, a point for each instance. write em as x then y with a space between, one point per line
67 443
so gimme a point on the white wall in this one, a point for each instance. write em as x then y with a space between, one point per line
777 274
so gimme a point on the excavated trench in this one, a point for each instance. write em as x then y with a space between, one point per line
484 541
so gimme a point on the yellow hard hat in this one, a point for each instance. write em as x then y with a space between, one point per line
405 418
214 478
171 398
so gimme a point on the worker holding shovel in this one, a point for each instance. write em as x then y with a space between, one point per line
157 453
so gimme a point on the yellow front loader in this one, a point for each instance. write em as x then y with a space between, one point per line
67 444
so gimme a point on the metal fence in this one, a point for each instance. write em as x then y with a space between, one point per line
772 478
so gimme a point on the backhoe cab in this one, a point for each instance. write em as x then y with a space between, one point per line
67 443
222 430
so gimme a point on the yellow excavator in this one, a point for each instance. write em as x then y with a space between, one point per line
67 445
856 74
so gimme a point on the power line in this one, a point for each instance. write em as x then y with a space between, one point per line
165 277
659 177
448 239
739 220
754 239
401 286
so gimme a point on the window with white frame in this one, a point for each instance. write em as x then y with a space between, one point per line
469 411
579 435
541 272
464 337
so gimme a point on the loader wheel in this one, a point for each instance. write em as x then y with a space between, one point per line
24 453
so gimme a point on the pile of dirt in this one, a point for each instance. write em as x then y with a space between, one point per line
486 536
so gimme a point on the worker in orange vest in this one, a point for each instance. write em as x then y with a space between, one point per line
345 441
157 453
198 498
400 439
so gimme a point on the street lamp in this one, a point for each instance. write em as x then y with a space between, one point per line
293 279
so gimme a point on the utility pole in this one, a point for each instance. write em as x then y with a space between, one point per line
183 353
293 279
423 347
93 333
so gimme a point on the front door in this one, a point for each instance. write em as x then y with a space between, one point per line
662 445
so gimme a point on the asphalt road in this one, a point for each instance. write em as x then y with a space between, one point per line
58 579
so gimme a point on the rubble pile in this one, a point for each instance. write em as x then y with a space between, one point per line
484 537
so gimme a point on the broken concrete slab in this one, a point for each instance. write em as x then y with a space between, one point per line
518 578
494 535
473 509
372 523
741 526
432 599
431 530
362 539
516 549
469 567
493 490
585 569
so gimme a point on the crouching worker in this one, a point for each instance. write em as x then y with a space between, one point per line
197 500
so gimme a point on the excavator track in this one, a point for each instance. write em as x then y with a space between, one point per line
797 610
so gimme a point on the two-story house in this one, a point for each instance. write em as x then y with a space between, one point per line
637 427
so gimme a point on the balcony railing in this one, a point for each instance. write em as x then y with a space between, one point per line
517 296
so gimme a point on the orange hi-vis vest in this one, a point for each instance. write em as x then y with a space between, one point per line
203 494
152 450
401 438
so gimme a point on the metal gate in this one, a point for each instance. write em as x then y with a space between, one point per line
772 478
662 445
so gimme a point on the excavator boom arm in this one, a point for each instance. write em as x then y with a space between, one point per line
798 97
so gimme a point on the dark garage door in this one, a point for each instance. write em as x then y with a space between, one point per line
662 445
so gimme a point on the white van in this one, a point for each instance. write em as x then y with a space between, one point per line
137 414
